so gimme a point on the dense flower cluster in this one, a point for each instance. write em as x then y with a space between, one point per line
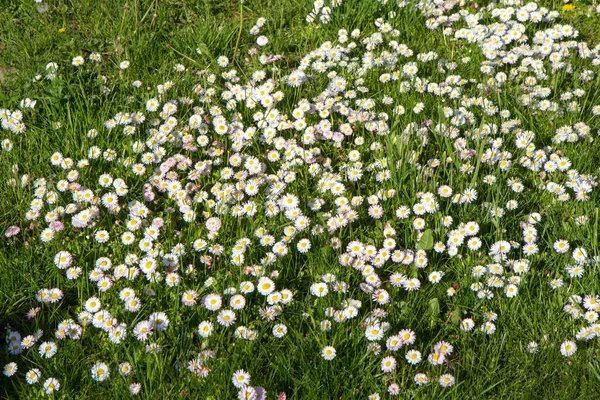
211 200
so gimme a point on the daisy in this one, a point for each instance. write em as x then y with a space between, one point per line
532 347
28 341
435 276
63 259
247 287
374 332
591 303
143 330
407 336
388 364
411 284
265 286
226 318
421 379
568 348
511 291
319 289
135 388
240 378
48 349
222 61
133 304
262 41
556 283
561 246
212 302
286 296
51 385
443 347
446 380
33 376
205 329
118 334
436 358
10 369
488 327
328 353
78 61
159 320
100 372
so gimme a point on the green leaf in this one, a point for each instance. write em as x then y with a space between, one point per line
426 241
434 310
434 307
456 316
413 273
204 50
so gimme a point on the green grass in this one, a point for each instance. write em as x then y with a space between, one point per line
154 36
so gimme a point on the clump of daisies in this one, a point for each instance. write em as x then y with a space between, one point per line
197 211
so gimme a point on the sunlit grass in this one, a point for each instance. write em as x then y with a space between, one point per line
408 145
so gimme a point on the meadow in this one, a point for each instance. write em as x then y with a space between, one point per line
338 199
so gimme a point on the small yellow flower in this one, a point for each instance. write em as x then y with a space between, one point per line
568 7
61 30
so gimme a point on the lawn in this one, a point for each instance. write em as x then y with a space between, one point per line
287 199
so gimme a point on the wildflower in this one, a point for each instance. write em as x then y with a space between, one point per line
561 246
33 376
328 353
488 327
511 290
532 347
51 385
411 284
435 276
568 348
226 318
319 289
78 61
205 329
135 388
265 286
436 358
10 369
100 372
159 320
556 283
407 336
93 304
28 341
421 379
279 331
262 41
222 61
48 349
33 312
374 332
247 392
413 357
212 302
446 380
388 364
12 231
143 330
443 347
240 378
